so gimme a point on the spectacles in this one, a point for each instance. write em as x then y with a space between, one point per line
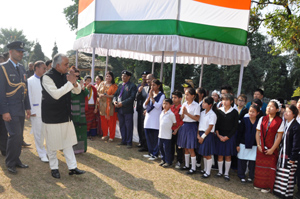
78 76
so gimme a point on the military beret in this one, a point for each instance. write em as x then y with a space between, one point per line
145 73
16 45
126 72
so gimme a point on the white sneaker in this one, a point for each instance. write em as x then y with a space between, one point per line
44 159
265 190
177 165
153 158
147 156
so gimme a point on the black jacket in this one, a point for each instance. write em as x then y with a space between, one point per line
127 97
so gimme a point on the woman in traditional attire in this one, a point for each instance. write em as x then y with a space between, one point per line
269 133
106 91
78 116
288 155
91 108
98 81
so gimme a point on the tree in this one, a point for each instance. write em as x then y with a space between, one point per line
37 53
54 50
282 20
9 35
71 14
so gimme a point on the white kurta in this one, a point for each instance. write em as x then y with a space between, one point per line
35 99
62 135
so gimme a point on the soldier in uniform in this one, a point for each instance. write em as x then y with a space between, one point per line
13 103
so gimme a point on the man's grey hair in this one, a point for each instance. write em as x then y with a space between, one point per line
57 59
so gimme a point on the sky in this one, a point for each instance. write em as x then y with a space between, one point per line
40 20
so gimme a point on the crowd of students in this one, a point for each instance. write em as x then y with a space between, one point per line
262 140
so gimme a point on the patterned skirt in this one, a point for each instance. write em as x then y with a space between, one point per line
284 181
91 122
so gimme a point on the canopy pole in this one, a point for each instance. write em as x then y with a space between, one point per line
76 60
173 72
93 66
152 72
106 65
201 74
162 66
241 79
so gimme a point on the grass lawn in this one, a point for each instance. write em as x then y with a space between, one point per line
113 172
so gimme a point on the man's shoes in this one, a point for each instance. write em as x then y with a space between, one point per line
12 170
142 149
121 143
55 173
152 158
76 171
45 159
147 156
23 166
3 153
25 144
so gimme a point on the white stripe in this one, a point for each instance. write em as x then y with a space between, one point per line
87 16
131 10
201 13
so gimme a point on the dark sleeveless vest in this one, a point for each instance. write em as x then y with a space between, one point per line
56 111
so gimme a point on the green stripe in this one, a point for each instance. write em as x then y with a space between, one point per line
149 27
167 27
213 33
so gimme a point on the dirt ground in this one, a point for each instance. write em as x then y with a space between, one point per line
114 172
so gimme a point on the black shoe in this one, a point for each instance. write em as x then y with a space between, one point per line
76 171
139 145
184 168
3 153
226 177
191 171
142 149
202 171
23 166
205 175
55 173
25 144
12 170
218 175
129 146
121 143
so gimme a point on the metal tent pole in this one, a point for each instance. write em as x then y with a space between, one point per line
106 65
76 60
173 72
93 66
241 79
201 74
162 66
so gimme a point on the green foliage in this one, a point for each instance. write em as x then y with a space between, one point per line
282 19
9 35
37 53
54 50
71 14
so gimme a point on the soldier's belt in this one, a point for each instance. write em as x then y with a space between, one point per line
16 86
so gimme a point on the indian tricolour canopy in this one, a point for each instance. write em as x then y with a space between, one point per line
215 30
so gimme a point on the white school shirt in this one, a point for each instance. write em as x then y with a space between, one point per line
166 122
35 95
207 119
91 100
298 119
193 109
152 119
281 128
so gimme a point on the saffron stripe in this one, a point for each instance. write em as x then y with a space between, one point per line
235 4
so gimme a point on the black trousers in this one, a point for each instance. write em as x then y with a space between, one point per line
15 129
242 166
3 135
141 131
174 147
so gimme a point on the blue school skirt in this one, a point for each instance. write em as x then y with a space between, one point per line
208 146
187 135
227 148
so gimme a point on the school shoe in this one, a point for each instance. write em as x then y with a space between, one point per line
161 163
202 171
249 180
257 188
226 177
243 181
177 165
153 158
184 168
45 159
129 146
218 175
147 156
205 175
76 171
142 149
121 144
198 166
191 171
166 165
265 190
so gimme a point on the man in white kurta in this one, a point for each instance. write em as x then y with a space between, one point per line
35 98
59 135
